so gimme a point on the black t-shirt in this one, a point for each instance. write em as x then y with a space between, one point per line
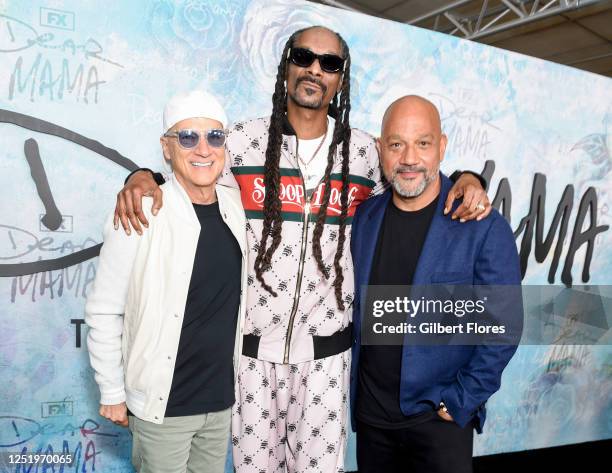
398 248
203 378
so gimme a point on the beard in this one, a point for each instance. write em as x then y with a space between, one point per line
311 98
402 187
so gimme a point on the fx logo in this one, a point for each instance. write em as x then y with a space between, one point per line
56 409
64 20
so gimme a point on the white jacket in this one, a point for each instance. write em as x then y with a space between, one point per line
135 309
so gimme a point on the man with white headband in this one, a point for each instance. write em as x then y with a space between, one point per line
164 349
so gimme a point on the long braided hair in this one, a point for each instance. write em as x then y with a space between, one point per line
272 223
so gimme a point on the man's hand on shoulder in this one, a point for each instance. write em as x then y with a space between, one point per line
475 203
128 209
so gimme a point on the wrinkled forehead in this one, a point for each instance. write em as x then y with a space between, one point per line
320 41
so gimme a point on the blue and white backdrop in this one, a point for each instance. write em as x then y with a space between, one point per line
82 85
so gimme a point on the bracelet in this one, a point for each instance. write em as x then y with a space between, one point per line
443 407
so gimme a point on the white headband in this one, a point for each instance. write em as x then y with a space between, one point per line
195 104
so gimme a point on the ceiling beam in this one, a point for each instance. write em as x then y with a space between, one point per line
515 13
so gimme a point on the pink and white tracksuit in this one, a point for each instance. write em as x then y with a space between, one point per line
291 397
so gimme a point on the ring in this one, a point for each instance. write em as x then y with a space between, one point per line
480 207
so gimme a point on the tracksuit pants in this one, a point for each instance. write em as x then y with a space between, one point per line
291 417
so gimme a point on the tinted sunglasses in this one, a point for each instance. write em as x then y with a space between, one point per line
189 139
303 57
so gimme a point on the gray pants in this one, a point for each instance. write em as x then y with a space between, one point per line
193 444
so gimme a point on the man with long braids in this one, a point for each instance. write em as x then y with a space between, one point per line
302 172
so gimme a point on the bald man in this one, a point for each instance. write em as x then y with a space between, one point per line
414 407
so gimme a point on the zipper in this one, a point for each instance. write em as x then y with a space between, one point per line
298 284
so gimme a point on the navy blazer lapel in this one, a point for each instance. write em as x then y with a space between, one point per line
372 221
437 238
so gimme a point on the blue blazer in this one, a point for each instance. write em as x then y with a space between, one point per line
471 253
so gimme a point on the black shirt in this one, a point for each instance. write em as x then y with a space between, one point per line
398 248
203 378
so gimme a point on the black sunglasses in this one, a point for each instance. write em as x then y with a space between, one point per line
303 57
